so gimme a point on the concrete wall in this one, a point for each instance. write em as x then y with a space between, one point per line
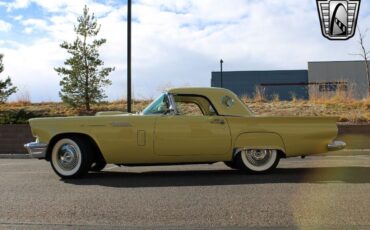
13 137
244 83
353 72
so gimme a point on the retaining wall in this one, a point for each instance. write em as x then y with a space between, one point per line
13 137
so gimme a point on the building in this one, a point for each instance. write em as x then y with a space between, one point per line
285 84
349 76
321 78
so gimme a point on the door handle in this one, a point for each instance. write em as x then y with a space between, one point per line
218 121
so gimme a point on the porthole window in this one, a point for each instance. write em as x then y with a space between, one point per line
227 101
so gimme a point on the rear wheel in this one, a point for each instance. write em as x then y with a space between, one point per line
98 166
258 160
232 164
70 157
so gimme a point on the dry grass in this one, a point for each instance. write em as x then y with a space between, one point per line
54 109
260 95
357 111
338 104
23 98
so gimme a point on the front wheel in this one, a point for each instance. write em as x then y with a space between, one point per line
258 160
70 157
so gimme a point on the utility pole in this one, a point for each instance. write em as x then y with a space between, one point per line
221 62
129 4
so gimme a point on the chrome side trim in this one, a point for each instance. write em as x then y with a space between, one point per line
120 124
36 150
336 145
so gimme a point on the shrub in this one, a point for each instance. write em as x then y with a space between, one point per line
16 117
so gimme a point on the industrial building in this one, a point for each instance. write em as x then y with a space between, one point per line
283 83
320 78
349 76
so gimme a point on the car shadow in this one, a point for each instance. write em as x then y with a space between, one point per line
323 175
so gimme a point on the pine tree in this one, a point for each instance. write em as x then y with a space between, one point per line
6 87
84 75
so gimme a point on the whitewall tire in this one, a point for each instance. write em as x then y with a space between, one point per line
70 157
258 160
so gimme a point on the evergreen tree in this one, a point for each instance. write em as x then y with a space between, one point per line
84 75
6 87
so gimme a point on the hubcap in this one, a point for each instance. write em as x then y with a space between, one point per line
258 157
68 157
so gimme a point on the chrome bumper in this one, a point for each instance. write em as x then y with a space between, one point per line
336 145
36 150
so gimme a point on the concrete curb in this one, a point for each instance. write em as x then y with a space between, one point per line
347 152
15 156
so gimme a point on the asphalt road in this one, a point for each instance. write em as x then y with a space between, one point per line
316 192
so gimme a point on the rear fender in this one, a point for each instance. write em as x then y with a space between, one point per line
259 141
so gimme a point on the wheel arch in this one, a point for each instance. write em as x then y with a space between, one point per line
97 153
259 140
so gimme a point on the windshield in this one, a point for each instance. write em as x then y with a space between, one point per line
160 105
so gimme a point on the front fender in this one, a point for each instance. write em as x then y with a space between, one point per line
260 141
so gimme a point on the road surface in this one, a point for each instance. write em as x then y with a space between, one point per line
316 192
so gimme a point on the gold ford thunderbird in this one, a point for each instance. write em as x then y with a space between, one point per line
182 126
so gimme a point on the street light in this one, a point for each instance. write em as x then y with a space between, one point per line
129 110
221 62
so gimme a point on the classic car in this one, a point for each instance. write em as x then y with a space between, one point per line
182 126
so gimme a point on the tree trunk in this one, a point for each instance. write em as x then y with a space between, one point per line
368 76
364 55
87 98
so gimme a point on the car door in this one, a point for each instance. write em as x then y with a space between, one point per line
126 139
177 135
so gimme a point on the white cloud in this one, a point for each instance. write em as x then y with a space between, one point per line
18 17
5 26
177 42
17 4
33 24
32 67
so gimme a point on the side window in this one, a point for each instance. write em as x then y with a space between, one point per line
188 109
193 105
227 101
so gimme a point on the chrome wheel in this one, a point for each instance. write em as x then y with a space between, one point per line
259 160
66 157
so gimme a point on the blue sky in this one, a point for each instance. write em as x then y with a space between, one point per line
175 42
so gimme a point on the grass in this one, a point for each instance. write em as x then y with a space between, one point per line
341 105
356 112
